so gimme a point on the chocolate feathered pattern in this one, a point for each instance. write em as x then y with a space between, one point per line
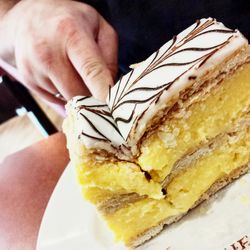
97 119
132 96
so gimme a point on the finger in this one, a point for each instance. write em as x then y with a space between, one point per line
28 81
33 87
66 80
86 57
47 96
107 41
35 80
46 84
53 72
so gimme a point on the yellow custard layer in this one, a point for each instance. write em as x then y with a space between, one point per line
201 122
182 191
97 195
118 177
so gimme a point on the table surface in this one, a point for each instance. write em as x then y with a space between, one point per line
19 132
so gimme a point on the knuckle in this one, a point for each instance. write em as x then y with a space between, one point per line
113 33
108 27
25 71
43 53
89 11
66 25
73 40
113 69
28 80
23 66
114 36
27 74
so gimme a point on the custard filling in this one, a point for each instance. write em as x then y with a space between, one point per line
205 119
119 177
115 177
218 112
182 192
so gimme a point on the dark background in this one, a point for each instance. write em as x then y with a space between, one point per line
145 25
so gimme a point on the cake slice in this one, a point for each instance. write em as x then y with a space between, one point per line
172 132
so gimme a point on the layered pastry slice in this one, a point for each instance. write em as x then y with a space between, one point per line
172 132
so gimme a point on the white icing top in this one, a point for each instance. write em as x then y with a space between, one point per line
140 94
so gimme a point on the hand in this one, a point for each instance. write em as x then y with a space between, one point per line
59 46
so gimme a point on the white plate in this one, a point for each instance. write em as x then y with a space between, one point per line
70 223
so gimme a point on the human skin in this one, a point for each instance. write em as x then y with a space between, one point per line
27 180
58 46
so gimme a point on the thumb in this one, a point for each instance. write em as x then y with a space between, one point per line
87 59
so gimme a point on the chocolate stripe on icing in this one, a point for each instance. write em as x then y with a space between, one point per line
157 52
109 93
145 90
176 55
142 89
215 31
99 111
177 64
102 114
95 128
204 61
97 124
130 75
93 137
136 101
93 106
83 98
117 91
154 62
198 48
120 119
